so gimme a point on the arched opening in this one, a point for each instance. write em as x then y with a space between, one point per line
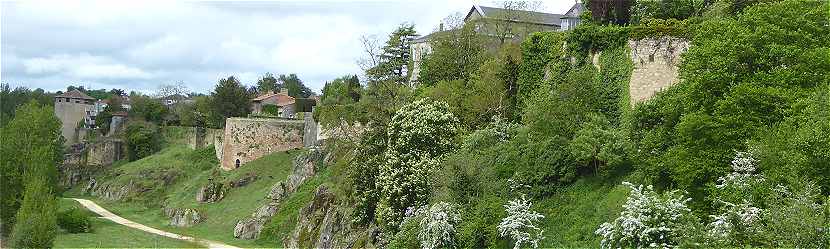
237 163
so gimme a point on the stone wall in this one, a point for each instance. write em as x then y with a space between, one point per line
83 160
655 66
246 139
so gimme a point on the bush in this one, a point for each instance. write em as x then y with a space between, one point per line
36 225
143 139
74 220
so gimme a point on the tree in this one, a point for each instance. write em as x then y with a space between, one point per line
230 99
12 99
36 225
294 85
267 83
151 110
610 11
143 139
456 54
31 141
419 134
393 61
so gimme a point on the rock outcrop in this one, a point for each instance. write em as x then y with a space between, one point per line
322 224
183 217
305 166
212 192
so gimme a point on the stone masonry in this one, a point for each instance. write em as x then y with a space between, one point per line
655 66
246 139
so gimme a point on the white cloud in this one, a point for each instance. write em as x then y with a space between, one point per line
138 45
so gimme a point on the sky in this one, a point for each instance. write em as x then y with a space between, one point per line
140 45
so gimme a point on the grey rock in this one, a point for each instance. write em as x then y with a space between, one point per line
183 217
213 192
247 229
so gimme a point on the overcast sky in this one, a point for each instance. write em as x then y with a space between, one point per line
136 45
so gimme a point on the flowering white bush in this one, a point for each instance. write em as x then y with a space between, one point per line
520 223
743 174
648 219
736 221
438 225
419 134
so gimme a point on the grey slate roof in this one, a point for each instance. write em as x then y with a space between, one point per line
531 16
575 11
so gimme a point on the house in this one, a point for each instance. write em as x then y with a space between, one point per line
571 18
278 104
72 108
499 23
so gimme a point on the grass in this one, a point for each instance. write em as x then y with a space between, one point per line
222 216
575 212
108 234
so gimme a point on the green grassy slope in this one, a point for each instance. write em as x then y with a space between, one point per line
108 234
221 217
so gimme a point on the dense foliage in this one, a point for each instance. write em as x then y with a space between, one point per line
229 99
31 147
143 139
74 220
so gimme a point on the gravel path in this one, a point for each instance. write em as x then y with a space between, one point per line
120 220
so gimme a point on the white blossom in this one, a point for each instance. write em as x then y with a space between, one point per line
520 223
647 220
438 225
735 218
743 173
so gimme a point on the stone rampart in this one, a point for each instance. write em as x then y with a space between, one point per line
246 139
656 63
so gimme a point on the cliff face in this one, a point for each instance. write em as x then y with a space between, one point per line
83 160
325 223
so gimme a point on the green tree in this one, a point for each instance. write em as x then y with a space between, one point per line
456 54
230 99
143 139
31 141
295 86
267 83
10 100
151 110
36 225
394 59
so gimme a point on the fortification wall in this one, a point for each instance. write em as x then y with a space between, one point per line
655 66
246 139
82 160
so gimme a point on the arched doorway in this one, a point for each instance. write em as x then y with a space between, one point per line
237 163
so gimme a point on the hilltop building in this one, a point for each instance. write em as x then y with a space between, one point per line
493 22
279 104
73 109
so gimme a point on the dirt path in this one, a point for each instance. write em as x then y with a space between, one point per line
120 220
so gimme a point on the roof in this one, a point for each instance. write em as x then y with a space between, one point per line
75 94
426 38
575 11
549 19
282 98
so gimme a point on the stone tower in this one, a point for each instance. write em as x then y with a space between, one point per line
71 108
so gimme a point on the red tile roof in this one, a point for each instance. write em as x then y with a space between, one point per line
75 94
282 98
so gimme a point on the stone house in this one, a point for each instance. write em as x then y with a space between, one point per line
73 109
283 104
500 23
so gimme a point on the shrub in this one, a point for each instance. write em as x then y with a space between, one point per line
648 219
143 139
74 220
36 220
521 224
438 226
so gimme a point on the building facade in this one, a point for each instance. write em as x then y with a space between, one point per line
278 104
72 109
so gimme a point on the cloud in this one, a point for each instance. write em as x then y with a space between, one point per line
141 45
82 66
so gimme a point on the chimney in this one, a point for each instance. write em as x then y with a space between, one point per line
440 26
